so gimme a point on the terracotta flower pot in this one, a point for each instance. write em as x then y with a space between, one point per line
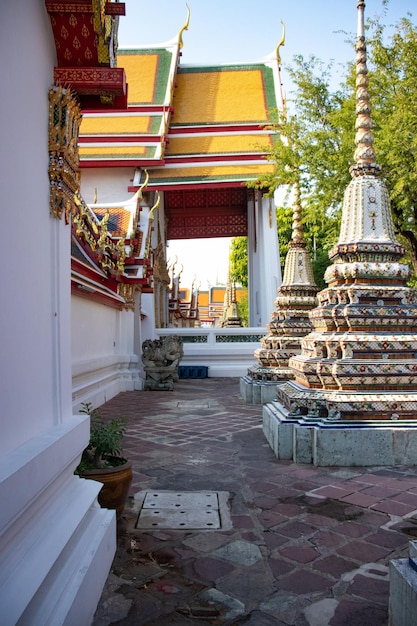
116 483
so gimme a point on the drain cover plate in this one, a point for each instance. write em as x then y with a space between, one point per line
179 510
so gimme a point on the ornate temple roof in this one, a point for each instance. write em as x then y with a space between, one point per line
186 124
137 136
111 254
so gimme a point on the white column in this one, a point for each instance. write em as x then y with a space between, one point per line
264 270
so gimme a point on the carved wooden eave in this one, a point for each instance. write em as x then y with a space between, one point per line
111 250
85 35
89 281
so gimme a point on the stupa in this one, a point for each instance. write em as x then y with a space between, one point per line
289 322
231 316
353 400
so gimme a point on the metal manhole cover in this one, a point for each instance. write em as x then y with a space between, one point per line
179 510
193 405
201 403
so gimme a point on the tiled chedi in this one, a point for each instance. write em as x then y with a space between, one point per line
290 320
359 362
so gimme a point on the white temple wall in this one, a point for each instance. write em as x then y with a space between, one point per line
28 336
97 339
103 359
56 543
111 183
148 314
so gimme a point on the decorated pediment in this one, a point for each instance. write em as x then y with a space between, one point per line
85 35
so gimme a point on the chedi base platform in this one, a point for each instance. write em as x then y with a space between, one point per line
311 439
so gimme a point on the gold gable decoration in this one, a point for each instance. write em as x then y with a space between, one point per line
128 292
185 27
64 125
110 255
105 27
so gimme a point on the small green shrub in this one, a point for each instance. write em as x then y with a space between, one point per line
106 439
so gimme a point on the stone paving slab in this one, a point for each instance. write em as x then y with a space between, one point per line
306 546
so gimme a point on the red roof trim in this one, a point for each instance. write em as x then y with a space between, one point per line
229 158
181 185
146 108
157 139
121 163
95 296
215 159
87 271
230 128
92 80
110 8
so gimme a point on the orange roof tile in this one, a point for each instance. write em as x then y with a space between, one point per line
203 298
242 172
119 219
127 151
219 96
146 74
218 144
210 118
121 124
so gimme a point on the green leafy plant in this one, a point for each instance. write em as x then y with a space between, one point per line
106 438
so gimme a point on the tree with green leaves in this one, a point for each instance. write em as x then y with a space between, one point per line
238 261
393 85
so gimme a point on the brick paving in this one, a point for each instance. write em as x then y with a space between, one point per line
307 546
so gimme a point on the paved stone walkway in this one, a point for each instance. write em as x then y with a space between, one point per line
307 546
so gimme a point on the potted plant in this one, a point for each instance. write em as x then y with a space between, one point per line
102 459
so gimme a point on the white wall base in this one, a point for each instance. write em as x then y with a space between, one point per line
56 543
222 364
99 380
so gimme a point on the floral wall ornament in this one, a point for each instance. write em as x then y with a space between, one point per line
64 124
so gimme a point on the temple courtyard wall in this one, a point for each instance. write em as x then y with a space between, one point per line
56 543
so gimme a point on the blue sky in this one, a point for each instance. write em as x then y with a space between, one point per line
228 31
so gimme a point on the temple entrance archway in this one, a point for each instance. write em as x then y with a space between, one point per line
215 211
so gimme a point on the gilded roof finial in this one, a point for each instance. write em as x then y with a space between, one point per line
143 185
365 157
155 206
281 43
185 27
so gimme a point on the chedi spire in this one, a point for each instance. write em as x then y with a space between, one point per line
290 321
365 158
367 227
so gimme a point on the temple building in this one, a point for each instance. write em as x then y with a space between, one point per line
353 400
189 145
125 150
56 543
